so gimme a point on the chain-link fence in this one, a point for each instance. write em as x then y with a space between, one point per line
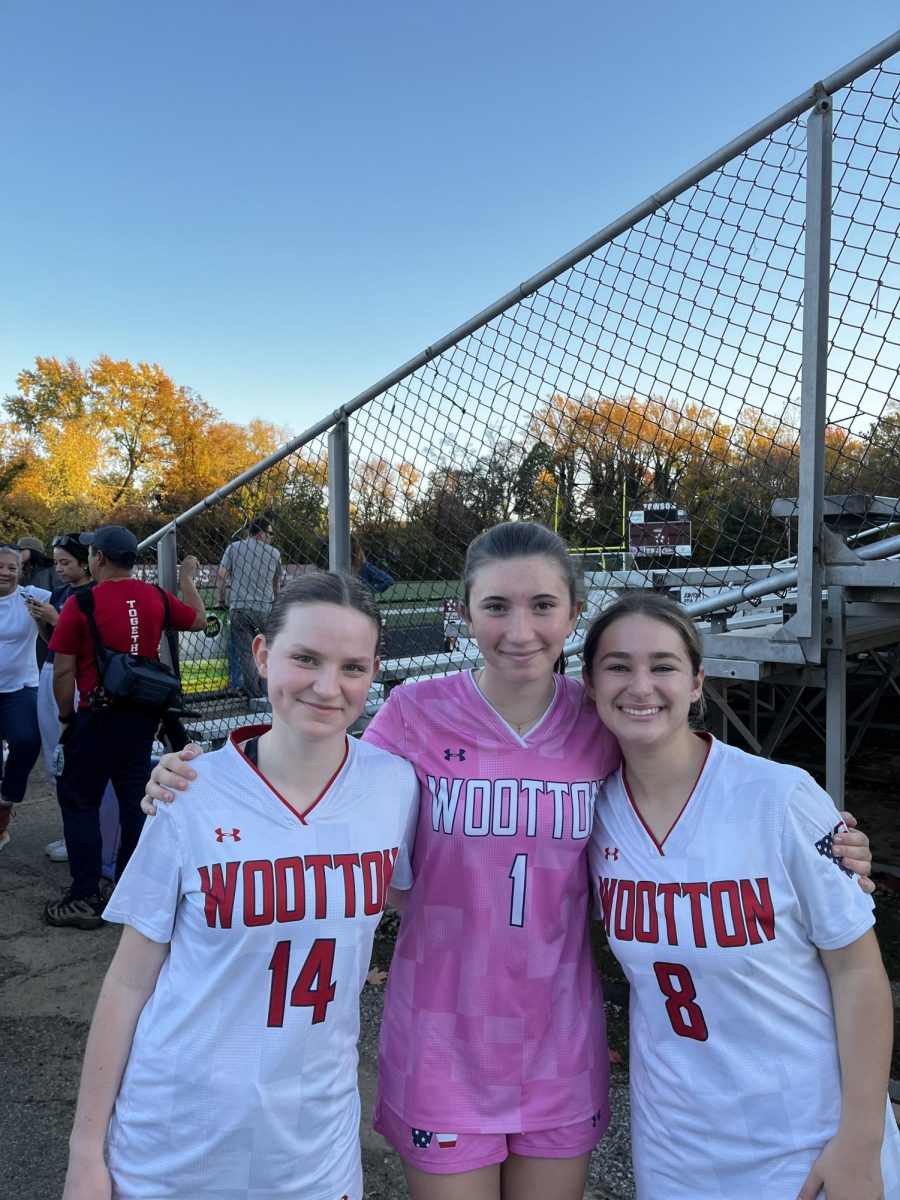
644 400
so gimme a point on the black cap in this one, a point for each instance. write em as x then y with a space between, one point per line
115 541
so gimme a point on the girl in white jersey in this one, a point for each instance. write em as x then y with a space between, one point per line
493 1067
221 1062
760 1011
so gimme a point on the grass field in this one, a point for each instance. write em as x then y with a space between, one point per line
206 675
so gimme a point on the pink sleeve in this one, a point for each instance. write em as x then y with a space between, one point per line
387 729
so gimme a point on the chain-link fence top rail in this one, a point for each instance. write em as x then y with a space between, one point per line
663 368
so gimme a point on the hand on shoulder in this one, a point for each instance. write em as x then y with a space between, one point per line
172 773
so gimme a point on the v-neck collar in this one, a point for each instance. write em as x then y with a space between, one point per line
238 737
520 738
659 845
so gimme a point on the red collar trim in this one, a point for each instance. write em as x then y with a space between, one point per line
659 845
238 736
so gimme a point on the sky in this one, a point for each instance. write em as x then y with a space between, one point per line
281 202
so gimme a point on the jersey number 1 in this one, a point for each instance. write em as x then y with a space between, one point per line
517 903
314 987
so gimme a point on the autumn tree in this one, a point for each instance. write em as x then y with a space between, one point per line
117 438
609 455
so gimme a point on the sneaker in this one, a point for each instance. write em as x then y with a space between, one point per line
6 815
56 851
79 914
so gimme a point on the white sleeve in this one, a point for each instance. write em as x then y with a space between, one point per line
403 877
834 908
149 892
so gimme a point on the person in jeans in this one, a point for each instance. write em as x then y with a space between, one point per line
18 685
253 569
72 572
105 743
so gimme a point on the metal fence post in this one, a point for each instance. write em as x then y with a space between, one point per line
339 497
817 263
836 697
167 577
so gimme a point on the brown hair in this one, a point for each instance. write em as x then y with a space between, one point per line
647 603
323 587
519 539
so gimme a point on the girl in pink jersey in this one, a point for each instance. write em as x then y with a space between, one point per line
760 1010
222 1055
493 1066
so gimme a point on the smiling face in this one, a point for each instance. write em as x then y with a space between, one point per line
520 612
642 681
9 572
318 668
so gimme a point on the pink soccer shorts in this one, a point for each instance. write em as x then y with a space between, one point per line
451 1153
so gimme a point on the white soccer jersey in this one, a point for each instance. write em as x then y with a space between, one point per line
242 1078
735 1080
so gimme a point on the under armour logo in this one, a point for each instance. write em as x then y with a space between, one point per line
611 852
222 834
448 754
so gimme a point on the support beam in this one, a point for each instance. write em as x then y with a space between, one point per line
806 624
836 699
167 577
339 497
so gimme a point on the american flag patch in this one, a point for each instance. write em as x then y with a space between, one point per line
823 845
422 1139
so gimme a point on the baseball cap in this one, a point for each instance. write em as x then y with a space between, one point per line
115 541
31 543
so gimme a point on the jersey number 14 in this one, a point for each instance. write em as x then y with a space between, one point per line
313 987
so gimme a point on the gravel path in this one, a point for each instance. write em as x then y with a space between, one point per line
49 979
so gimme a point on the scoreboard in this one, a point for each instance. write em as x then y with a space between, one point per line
659 531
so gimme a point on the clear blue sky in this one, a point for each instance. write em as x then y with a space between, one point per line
279 202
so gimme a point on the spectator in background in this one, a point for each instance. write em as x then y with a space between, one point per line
252 569
378 580
71 562
18 684
37 569
106 742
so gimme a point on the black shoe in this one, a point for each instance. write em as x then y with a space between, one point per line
83 913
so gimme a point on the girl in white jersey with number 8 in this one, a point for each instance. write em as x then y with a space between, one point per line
222 1057
493 1066
760 1012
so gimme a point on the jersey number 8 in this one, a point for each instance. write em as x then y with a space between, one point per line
677 986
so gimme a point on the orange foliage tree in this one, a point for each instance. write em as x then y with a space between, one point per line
115 439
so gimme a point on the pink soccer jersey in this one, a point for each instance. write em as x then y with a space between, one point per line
493 1018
